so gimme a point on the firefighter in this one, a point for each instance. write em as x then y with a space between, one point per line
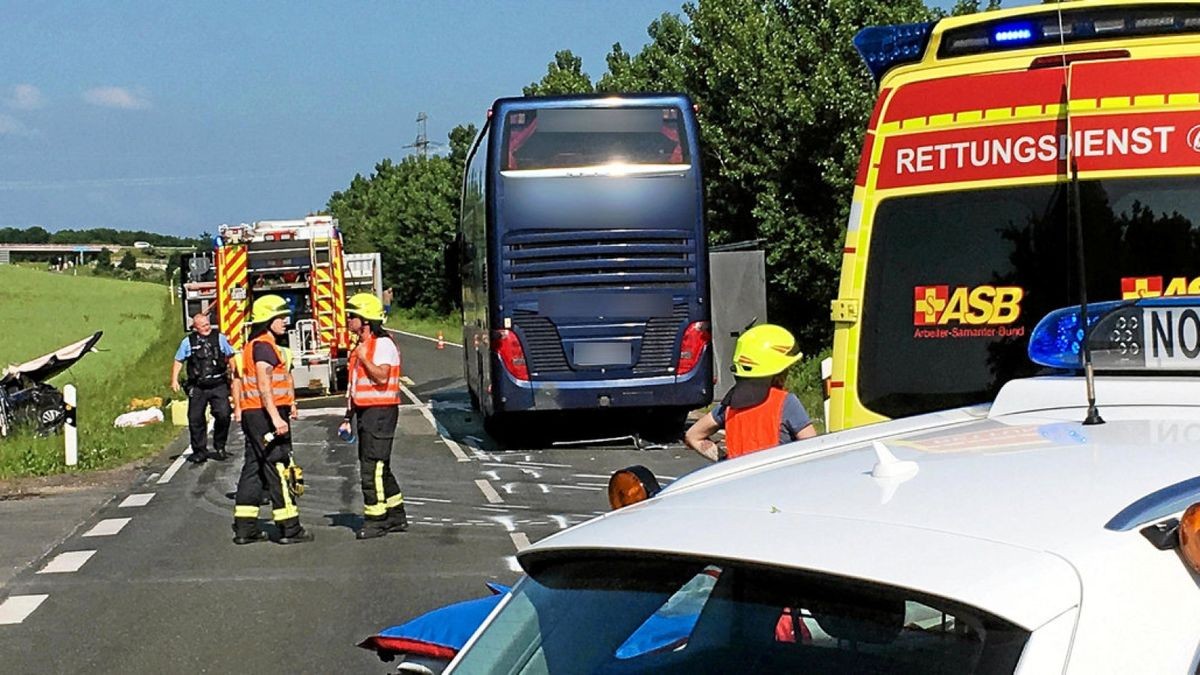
373 400
758 413
209 358
268 401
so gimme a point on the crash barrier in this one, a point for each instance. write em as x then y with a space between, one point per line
70 429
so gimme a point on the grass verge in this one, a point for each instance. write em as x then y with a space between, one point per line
141 332
423 322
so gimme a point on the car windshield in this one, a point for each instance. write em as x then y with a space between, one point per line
957 280
555 138
615 615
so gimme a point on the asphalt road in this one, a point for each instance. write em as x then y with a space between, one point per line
152 582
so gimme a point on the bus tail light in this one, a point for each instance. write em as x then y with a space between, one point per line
696 337
507 346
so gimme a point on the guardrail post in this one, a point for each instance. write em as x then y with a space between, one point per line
70 430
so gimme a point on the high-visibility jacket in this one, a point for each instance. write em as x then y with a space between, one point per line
755 428
365 392
281 379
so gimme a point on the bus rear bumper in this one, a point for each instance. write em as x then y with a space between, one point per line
691 391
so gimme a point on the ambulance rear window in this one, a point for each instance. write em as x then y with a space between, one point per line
956 280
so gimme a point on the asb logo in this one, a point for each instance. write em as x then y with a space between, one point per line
973 306
1133 288
1193 138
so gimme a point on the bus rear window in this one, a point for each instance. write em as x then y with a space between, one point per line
956 281
556 138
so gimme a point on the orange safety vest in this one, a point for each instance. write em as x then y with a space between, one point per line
755 428
281 380
365 392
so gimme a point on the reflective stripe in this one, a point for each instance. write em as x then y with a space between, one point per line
281 379
365 392
379 508
245 512
395 500
289 509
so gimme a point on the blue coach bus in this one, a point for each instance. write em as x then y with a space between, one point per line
583 258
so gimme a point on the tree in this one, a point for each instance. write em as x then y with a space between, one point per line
564 75
128 262
104 259
407 212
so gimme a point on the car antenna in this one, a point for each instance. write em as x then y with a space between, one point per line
1075 216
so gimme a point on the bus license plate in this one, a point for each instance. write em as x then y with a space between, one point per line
603 354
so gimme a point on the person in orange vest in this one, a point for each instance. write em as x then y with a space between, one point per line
267 404
758 412
374 399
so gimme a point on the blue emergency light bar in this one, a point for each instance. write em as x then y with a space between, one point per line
884 47
1161 334
1054 28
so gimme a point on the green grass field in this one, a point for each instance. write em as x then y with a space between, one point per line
42 311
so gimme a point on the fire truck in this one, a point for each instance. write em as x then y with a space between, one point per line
301 261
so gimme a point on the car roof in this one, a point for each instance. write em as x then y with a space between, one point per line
1020 497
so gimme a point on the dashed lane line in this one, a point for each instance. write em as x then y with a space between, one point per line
520 540
140 499
489 492
16 608
107 527
166 477
437 426
70 561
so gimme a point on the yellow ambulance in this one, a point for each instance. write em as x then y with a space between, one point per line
960 234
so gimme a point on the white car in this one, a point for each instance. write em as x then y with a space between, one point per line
996 539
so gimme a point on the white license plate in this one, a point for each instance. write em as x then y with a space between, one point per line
603 354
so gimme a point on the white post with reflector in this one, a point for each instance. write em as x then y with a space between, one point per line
826 381
70 430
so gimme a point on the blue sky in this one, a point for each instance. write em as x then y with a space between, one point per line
178 116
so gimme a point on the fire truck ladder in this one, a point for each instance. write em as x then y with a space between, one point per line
325 281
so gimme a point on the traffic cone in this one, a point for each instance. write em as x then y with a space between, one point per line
441 341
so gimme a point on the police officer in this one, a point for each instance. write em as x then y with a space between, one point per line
758 413
268 400
374 399
209 358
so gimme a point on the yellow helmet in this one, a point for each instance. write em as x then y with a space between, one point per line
764 351
365 306
268 307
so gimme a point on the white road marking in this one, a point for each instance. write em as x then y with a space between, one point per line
581 487
561 521
437 427
166 477
70 561
489 492
18 607
506 521
513 565
107 527
547 465
407 380
590 475
519 539
140 499
426 337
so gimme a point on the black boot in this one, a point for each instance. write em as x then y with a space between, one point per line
245 534
373 527
397 519
301 537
